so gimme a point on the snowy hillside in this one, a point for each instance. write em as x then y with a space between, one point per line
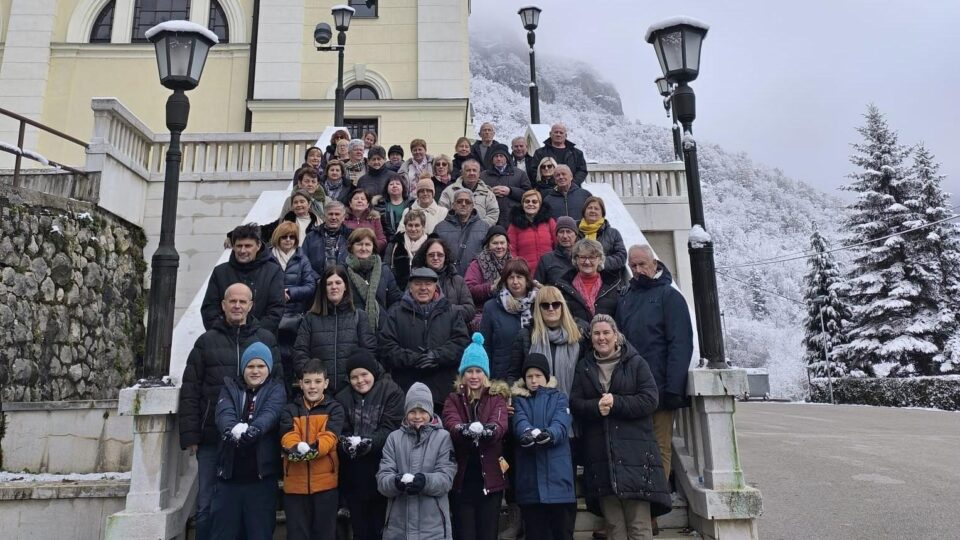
754 212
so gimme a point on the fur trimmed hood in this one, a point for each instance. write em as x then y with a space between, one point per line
496 388
519 387
519 219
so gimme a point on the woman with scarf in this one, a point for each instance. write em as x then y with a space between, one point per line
442 175
371 281
532 232
504 315
427 203
334 185
594 226
418 164
300 208
360 216
587 289
355 165
404 245
483 274
435 255
462 152
393 202
544 181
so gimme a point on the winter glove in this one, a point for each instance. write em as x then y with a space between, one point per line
672 401
415 486
250 436
428 360
488 430
344 444
398 482
544 437
464 431
364 447
527 439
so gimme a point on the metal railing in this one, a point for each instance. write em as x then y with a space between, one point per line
21 153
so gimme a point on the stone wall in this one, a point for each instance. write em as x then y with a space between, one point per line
71 299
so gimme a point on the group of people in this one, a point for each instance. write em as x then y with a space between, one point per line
411 347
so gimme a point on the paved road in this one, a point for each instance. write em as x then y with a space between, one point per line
852 472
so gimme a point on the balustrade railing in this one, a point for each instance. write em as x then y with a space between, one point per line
641 181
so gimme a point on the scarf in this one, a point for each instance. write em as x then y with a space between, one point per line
366 289
412 246
606 365
589 288
490 265
562 356
445 179
333 190
355 170
590 231
282 258
303 223
519 306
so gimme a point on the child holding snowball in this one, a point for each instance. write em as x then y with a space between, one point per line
247 414
310 427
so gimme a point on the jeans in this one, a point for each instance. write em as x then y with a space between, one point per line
206 488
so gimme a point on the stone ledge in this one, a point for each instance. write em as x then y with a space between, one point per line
18 491
149 401
743 503
717 382
105 404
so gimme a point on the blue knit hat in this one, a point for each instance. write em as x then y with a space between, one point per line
256 350
475 356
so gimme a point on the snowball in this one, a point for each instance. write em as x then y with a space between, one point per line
699 237
476 427
238 430
406 478
303 447
354 440
535 432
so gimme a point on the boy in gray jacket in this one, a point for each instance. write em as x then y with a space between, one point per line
416 472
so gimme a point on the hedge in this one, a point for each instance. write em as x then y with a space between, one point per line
926 392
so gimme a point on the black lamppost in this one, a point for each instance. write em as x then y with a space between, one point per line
663 86
530 16
322 34
181 49
677 43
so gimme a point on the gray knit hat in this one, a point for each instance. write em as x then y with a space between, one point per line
418 397
567 222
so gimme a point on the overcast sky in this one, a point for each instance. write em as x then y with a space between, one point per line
786 82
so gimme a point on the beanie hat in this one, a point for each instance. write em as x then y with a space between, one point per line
425 183
376 150
494 231
418 397
395 149
254 351
499 149
567 222
475 356
362 358
536 360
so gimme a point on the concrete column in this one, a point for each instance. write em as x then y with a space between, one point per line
280 49
714 392
442 49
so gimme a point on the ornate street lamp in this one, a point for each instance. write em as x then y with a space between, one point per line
530 16
663 86
181 48
322 34
677 43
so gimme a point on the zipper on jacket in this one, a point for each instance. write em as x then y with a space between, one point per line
238 351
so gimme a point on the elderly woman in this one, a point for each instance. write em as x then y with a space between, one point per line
371 281
435 255
504 315
342 152
359 216
331 151
377 174
545 170
587 290
594 226
393 203
427 203
356 165
613 397
302 213
532 231
483 274
333 329
334 185
307 179
461 153
418 163
442 175
404 245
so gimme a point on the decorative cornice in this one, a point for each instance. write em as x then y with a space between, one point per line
358 106
134 50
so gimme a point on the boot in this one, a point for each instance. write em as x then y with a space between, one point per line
510 523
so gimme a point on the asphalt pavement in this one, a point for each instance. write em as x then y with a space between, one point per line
850 472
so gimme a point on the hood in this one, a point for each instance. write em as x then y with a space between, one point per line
496 388
519 387
519 219
644 282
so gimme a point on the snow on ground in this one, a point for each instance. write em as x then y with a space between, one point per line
6 476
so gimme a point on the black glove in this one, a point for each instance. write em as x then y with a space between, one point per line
672 401
544 437
250 436
488 430
428 360
464 431
417 485
400 485
364 447
527 439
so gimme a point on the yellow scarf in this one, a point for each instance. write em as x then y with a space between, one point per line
590 231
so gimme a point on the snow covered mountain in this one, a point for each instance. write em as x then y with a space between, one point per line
754 212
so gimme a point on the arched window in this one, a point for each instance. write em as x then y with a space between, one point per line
361 92
218 22
103 24
149 13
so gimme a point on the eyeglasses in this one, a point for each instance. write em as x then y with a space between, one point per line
587 257
546 167
436 255
550 305
464 201
288 237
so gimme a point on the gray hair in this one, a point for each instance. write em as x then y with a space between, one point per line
604 318
355 143
559 125
415 213
645 248
333 204
591 247
564 167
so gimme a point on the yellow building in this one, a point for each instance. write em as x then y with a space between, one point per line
406 67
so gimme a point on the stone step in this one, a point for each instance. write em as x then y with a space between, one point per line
665 534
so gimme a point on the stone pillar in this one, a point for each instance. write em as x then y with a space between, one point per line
715 391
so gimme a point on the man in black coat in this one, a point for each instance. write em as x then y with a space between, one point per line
566 198
423 338
655 319
507 182
564 152
215 356
251 265
554 265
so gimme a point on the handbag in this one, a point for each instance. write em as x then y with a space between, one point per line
290 323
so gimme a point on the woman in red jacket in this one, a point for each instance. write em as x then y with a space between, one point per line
532 231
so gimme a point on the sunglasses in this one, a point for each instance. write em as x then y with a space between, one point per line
550 305
288 237
546 167
464 201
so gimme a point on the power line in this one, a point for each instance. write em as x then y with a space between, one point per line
751 285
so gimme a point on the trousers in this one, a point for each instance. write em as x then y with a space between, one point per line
626 519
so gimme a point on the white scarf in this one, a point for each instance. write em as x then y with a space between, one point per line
302 224
413 245
282 258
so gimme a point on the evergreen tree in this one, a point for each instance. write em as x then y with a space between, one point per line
893 305
758 300
827 315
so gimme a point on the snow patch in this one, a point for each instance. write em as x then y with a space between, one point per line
6 476
183 26
699 237
35 156
674 21
689 143
10 148
55 229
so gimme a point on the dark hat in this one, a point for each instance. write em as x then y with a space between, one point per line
494 231
422 272
536 360
499 149
395 149
362 358
376 150
567 222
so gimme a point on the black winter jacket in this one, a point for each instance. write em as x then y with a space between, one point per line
264 278
464 240
513 178
231 410
455 290
215 356
374 181
614 251
332 338
569 204
314 248
397 258
620 452
299 280
553 266
570 156
606 303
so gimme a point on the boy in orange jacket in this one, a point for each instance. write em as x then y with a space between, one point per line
310 427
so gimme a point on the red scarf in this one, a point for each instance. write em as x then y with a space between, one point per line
589 288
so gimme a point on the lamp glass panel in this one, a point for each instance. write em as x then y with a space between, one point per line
659 50
161 47
180 49
692 42
672 43
200 51
663 86
341 18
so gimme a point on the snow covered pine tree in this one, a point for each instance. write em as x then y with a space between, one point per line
824 335
892 293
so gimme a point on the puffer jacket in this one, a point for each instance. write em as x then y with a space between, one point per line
513 178
231 409
614 251
491 409
215 356
484 201
397 258
319 426
314 247
332 338
369 219
264 278
607 298
566 204
530 239
373 415
621 454
300 282
425 516
374 181
454 288
544 473
570 156
465 240
500 329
